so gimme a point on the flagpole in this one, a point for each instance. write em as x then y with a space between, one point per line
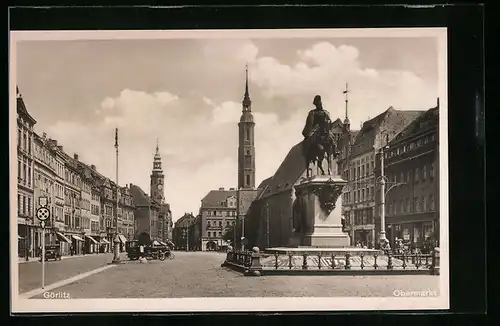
116 251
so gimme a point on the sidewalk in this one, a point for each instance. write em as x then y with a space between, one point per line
22 260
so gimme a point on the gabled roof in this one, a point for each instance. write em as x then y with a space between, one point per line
262 187
214 198
391 117
424 122
290 170
139 196
21 107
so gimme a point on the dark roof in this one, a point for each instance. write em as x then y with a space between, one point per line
424 122
262 187
290 170
21 107
391 116
139 196
215 197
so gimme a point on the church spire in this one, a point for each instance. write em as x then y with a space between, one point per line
246 99
157 146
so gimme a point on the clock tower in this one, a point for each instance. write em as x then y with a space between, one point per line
157 178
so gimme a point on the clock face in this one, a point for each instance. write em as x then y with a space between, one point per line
160 187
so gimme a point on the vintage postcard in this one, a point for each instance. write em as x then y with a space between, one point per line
285 170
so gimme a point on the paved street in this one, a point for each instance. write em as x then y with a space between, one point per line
30 274
198 274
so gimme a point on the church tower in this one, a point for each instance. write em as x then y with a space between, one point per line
157 178
246 148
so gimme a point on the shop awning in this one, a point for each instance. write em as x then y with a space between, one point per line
77 238
91 239
19 237
104 241
62 237
122 238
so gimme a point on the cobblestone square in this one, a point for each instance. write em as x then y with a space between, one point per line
198 274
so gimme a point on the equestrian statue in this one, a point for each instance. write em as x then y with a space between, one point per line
320 142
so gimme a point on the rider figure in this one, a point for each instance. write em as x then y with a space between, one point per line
316 119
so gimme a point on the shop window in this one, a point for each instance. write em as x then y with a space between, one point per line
406 233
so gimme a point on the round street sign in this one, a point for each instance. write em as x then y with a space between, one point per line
42 213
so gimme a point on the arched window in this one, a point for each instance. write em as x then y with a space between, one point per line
248 180
247 131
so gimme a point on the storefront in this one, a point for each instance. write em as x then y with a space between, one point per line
91 245
414 233
77 243
64 243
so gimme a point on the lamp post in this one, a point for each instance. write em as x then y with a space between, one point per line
383 239
116 251
383 181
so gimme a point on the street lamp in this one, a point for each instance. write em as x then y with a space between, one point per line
382 179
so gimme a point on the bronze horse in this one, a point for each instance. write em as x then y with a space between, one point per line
321 145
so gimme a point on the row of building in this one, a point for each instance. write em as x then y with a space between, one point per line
86 206
263 215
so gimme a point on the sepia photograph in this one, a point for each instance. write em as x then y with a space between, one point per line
229 170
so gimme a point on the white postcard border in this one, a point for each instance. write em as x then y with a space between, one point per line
21 305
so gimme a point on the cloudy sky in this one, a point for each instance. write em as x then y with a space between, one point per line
188 92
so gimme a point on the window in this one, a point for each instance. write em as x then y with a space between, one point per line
416 174
23 207
424 173
431 170
402 177
220 223
408 208
424 204
220 234
248 180
363 170
19 210
417 205
247 134
355 197
402 206
431 202
19 169
209 234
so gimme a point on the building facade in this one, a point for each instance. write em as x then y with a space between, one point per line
127 213
359 172
44 176
183 237
146 213
25 186
218 213
411 165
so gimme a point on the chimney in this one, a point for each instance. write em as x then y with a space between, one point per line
75 156
92 167
221 189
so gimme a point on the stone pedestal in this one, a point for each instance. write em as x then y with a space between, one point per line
321 202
